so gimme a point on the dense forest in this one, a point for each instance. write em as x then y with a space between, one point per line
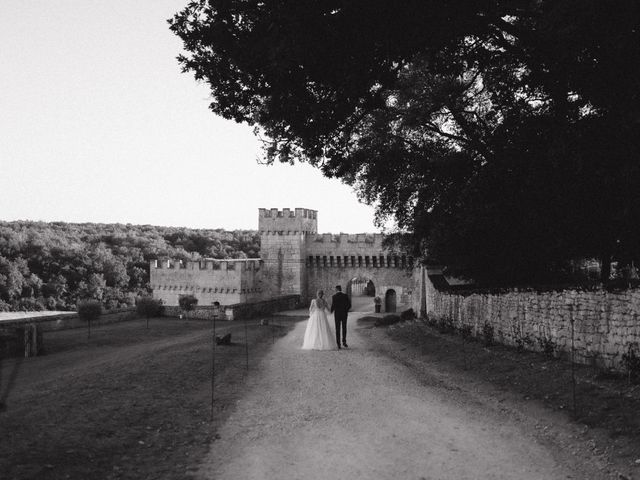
50 266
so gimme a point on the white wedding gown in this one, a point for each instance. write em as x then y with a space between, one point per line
318 335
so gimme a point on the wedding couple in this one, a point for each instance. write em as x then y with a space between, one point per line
318 334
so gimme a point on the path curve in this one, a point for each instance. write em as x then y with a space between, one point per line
358 414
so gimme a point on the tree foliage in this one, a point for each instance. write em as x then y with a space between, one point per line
187 302
89 310
149 307
50 266
502 136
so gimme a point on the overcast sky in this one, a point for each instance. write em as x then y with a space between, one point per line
98 125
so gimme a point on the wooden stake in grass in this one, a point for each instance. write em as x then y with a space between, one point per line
89 310
465 332
213 361
216 313
573 365
246 344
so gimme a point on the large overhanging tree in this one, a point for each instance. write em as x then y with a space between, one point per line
503 137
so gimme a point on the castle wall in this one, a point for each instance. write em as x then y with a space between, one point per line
295 260
225 281
344 244
398 279
335 259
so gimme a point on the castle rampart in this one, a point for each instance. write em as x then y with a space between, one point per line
226 281
294 260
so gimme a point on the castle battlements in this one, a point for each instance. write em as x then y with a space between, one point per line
359 261
299 220
287 213
284 232
208 264
370 239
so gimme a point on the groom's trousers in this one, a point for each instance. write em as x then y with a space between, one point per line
341 326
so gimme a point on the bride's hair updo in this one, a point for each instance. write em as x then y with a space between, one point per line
320 293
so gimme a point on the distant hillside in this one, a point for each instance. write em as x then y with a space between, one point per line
52 265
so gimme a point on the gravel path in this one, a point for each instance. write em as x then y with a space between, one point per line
357 414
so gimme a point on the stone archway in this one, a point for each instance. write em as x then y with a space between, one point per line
390 301
361 291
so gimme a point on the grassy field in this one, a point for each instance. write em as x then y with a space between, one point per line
129 402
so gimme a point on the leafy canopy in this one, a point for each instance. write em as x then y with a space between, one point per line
53 265
501 136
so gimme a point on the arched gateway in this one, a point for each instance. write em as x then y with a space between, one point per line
294 259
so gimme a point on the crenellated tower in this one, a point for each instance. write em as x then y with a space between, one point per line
283 235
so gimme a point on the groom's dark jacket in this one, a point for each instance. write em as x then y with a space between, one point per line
340 304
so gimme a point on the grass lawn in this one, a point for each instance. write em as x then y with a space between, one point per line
129 402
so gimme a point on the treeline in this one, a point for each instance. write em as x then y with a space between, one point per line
50 266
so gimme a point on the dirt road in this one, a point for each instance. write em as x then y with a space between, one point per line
359 414
135 403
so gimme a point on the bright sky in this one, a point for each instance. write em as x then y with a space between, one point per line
98 124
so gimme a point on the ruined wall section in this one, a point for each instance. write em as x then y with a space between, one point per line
226 281
283 236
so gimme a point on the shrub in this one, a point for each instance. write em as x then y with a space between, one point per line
522 342
487 334
631 361
187 302
465 331
387 320
149 307
408 315
547 345
89 309
445 325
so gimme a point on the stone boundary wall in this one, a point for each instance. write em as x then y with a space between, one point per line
71 320
200 312
267 307
605 323
238 311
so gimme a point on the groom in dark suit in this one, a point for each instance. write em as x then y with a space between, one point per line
340 306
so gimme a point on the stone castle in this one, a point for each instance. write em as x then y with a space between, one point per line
294 260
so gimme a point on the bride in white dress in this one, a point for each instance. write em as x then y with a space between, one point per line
318 335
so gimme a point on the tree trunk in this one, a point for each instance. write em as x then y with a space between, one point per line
605 268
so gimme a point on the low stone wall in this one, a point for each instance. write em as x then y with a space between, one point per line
24 334
605 324
203 312
70 320
24 340
267 307
238 311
